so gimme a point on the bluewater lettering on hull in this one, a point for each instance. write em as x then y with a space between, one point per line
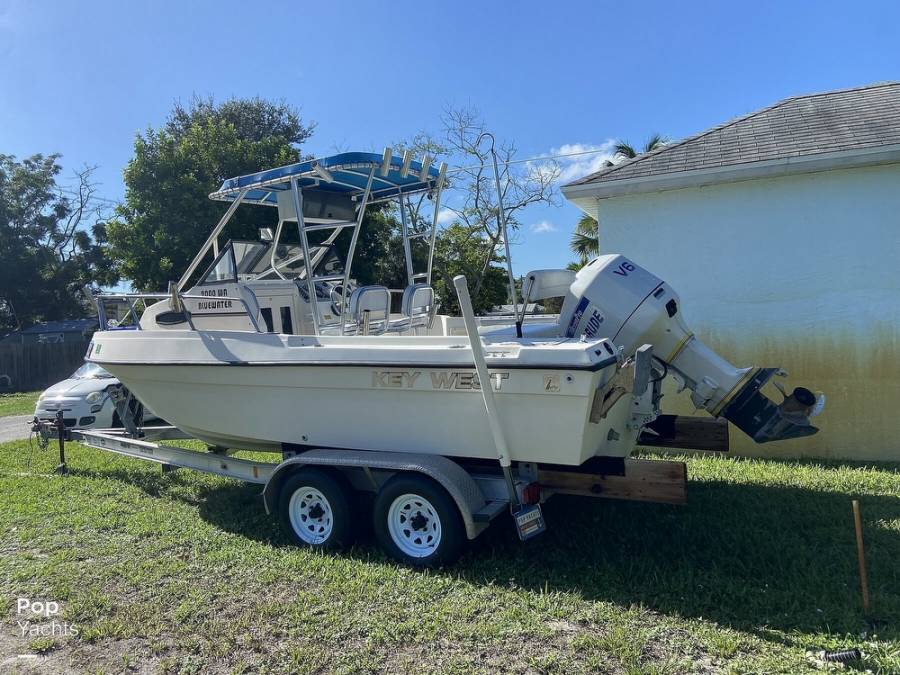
213 304
443 379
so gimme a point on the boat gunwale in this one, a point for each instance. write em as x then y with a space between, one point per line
592 367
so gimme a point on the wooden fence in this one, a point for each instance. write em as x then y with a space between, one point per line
30 367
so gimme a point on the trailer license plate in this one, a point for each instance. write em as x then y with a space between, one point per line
529 521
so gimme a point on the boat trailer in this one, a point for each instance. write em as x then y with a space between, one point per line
478 490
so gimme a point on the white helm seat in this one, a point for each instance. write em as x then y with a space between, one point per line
372 303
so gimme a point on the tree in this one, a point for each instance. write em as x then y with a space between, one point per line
624 150
585 241
167 214
476 182
470 244
458 251
51 239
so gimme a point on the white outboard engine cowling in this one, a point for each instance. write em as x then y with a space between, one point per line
614 298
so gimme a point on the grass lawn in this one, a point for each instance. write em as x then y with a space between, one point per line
185 573
18 404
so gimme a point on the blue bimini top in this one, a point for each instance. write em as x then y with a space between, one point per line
346 173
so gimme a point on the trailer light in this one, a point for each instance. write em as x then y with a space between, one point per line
386 161
531 494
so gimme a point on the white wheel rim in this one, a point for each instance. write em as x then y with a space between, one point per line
414 525
311 515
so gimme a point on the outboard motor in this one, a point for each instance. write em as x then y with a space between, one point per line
614 298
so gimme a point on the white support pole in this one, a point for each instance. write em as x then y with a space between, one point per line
487 386
211 239
348 263
407 249
301 227
439 188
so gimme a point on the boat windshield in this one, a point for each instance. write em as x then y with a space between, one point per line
247 260
91 371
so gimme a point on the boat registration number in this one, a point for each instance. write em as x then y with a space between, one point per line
530 521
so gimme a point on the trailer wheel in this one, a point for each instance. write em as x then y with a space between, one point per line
314 509
417 522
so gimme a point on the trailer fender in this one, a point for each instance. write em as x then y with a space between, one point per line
450 475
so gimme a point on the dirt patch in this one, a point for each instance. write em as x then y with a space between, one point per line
131 656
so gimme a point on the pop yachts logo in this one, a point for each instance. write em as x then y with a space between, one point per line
30 611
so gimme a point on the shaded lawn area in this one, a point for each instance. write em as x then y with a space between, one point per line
18 404
185 572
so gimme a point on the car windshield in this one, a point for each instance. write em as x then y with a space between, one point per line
91 371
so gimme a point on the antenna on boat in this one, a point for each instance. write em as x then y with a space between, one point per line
487 388
528 518
501 219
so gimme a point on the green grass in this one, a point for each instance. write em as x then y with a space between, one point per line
19 403
184 573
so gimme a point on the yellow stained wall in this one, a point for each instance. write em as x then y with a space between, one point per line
801 272
860 378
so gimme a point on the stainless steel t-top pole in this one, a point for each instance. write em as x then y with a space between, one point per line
487 389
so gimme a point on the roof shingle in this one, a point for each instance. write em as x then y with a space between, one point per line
805 125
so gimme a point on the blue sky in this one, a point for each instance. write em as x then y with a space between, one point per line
81 78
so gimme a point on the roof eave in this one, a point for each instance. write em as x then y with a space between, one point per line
841 159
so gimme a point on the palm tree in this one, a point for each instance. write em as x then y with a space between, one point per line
586 238
624 149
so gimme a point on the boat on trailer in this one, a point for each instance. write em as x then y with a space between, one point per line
275 347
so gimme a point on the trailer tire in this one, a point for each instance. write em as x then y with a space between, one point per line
314 509
417 523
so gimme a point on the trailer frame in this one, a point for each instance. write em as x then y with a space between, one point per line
479 491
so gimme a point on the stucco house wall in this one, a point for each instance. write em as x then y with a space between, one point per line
798 271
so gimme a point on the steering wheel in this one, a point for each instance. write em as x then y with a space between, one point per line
336 293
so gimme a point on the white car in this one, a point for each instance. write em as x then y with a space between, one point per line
84 399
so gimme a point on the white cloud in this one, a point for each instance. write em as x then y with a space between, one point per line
446 216
583 159
543 226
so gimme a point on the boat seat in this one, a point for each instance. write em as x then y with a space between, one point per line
417 305
376 300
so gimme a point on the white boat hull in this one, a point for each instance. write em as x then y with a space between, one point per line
407 394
